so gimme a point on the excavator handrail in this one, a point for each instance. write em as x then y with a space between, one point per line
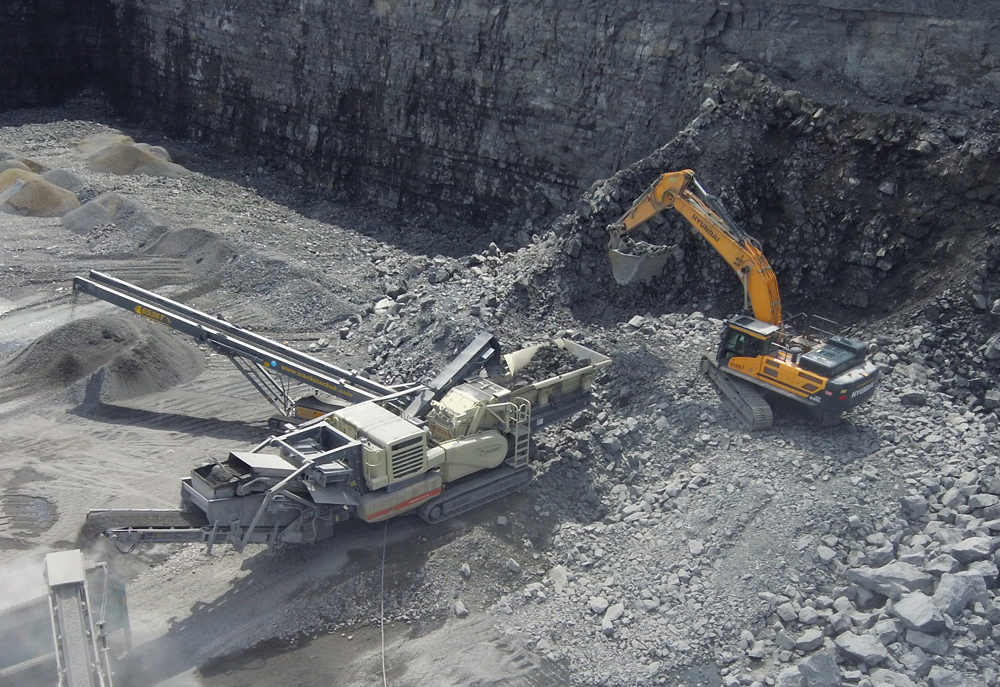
681 191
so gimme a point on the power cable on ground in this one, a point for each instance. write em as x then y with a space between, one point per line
385 534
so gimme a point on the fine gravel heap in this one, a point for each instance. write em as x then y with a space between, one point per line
138 357
117 154
30 194
660 542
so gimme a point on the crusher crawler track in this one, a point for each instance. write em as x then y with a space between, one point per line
475 492
739 396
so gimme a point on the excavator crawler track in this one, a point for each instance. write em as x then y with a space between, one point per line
459 498
741 397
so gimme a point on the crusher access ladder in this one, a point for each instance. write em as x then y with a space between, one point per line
261 360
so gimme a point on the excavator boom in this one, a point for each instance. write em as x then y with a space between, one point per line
681 191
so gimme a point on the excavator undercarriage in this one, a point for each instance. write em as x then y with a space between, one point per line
742 398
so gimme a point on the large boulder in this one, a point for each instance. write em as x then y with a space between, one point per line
943 677
972 549
954 592
919 612
881 676
862 648
992 349
928 642
893 580
820 670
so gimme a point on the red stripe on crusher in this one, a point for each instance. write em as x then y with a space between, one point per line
420 497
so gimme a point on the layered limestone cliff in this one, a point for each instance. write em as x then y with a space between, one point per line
485 105
482 106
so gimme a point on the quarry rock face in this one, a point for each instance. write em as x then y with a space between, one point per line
52 49
472 104
478 106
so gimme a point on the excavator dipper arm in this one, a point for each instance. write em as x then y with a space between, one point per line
681 191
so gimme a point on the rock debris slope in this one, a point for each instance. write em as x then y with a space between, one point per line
861 207
660 544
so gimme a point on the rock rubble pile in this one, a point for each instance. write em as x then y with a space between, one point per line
890 568
661 543
846 197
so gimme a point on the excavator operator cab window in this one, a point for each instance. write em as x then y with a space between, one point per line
739 344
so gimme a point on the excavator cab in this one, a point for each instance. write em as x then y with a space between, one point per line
745 337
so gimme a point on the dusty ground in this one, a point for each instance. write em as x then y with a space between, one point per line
64 455
725 518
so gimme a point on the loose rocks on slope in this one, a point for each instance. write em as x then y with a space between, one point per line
847 203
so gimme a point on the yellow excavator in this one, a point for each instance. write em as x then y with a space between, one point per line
757 355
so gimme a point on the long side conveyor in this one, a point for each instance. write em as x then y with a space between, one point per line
266 355
158 525
82 657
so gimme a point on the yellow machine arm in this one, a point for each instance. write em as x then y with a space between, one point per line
681 191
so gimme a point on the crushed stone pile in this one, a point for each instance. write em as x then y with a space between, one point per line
138 357
548 361
119 154
13 164
28 194
67 180
203 252
117 224
111 209
11 160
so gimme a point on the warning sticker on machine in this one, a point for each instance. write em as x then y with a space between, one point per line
152 314
861 391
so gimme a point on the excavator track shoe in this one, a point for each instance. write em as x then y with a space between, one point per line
740 397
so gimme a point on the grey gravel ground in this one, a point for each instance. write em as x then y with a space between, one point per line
660 544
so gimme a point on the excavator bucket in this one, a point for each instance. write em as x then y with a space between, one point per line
640 266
